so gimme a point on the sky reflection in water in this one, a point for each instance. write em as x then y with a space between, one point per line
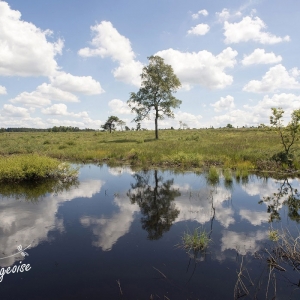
115 224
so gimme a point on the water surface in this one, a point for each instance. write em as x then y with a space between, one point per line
117 234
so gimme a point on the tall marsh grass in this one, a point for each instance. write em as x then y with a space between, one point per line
32 167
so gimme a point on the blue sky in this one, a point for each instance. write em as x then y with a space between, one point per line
75 62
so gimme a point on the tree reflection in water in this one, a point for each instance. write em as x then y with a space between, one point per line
155 201
290 197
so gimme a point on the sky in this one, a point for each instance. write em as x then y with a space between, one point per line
75 62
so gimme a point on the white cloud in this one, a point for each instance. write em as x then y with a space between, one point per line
191 120
276 78
14 111
200 208
119 107
254 217
86 122
259 113
201 68
259 56
56 109
29 122
129 72
108 42
200 29
32 226
24 49
243 243
53 93
202 12
226 15
224 103
118 171
109 230
250 29
43 95
76 84
3 90
61 109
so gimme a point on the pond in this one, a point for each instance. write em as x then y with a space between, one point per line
117 234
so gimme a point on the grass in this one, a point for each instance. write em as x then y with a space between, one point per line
196 241
213 175
33 167
227 175
238 149
273 235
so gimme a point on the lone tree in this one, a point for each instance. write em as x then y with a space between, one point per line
110 123
158 84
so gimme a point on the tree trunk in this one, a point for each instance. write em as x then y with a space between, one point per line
156 117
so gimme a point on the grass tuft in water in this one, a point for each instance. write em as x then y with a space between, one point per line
227 175
213 175
196 241
273 235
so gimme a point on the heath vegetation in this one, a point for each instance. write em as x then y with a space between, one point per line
238 149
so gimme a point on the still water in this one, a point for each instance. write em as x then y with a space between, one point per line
117 234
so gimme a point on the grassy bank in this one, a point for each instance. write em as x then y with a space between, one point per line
33 167
242 149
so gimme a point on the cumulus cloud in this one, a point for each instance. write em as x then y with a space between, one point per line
254 217
24 49
226 15
224 103
76 84
243 243
32 226
43 95
200 208
108 42
14 111
3 90
200 29
61 109
201 67
202 12
191 120
259 56
250 29
108 230
259 113
117 106
275 79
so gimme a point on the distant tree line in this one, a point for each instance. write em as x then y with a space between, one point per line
53 129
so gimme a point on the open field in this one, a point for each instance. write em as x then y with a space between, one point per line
250 148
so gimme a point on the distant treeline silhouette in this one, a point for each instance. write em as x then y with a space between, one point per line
53 129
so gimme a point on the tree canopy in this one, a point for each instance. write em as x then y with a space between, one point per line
110 123
158 84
